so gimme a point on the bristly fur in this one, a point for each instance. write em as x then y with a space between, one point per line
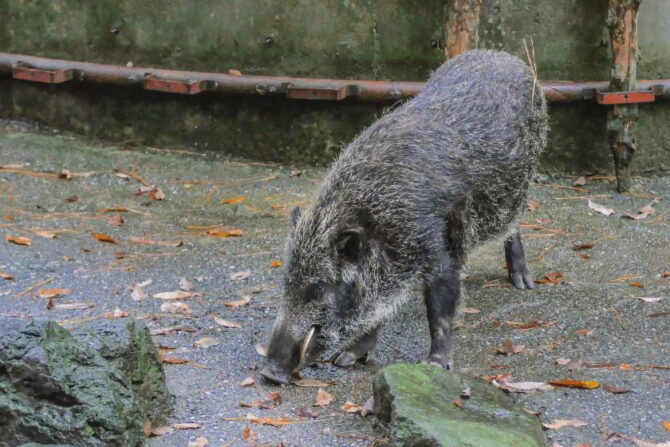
444 172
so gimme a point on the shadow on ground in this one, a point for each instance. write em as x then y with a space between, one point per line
594 317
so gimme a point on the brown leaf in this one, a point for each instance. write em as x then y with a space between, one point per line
636 284
6 276
458 403
173 360
234 72
117 313
579 181
551 278
186 426
156 194
368 406
666 425
225 323
644 212
115 220
261 350
200 441
649 299
560 423
137 292
533 205
206 342
170 329
114 209
103 238
176 307
310 383
509 349
584 256
18 240
322 398
176 295
350 407
131 175
247 382
569 383
562 361
233 200
275 263
71 199
615 390
146 428
144 241
238 303
468 310
522 387
52 293
185 284
275 422
162 430
533 324
600 208
248 435
665 274
225 232
531 412
272 400
45 233
586 332
577 247
73 306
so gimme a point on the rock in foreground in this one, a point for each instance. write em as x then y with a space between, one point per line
95 387
422 406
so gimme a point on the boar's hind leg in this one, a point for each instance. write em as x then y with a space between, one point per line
442 293
517 267
362 347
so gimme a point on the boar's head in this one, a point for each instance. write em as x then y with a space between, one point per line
329 273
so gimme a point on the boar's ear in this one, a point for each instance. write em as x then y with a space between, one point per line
349 244
295 216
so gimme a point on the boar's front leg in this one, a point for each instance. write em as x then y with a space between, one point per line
362 347
517 267
442 292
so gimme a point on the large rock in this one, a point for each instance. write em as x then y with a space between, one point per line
417 404
95 387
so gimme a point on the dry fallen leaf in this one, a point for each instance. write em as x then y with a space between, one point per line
468 310
176 307
241 302
586 332
579 181
272 400
600 208
533 324
248 435
310 383
261 350
247 382
45 233
143 241
176 295
533 205
137 292
560 423
206 342
665 274
114 209
72 306
458 403
186 426
322 398
199 442
275 263
569 383
115 220
146 428
238 276
52 293
117 313
225 323
562 361
616 390
173 360
170 329
636 284
162 430
645 211
18 240
103 238
508 348
234 200
234 72
275 422
577 247
649 299
522 387
551 278
666 425
6 276
234 232
350 407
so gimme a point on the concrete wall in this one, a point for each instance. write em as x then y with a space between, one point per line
374 39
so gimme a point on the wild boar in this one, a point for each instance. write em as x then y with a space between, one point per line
406 201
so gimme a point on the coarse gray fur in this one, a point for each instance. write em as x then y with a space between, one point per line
435 177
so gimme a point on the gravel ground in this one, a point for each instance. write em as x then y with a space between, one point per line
594 316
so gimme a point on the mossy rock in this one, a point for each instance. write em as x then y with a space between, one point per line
417 404
58 389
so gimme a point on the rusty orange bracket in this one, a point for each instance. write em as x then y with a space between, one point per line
28 73
193 87
614 98
317 93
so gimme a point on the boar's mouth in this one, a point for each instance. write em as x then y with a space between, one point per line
287 357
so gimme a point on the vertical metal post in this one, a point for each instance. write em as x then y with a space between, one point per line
622 24
461 31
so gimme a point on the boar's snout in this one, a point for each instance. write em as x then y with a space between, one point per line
286 355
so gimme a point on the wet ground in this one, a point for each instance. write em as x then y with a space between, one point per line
594 316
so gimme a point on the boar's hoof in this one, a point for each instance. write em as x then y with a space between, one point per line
522 280
275 375
439 360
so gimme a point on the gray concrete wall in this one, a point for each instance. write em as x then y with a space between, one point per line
392 39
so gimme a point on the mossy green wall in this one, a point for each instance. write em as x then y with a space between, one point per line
373 39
